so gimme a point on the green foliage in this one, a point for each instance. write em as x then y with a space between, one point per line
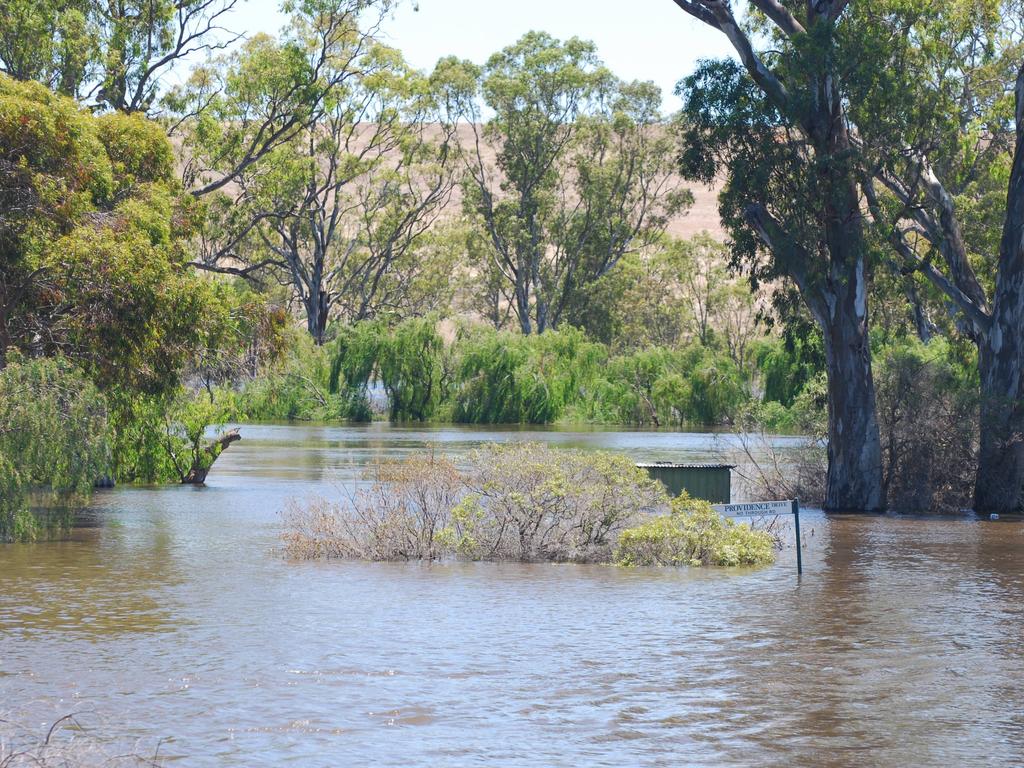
139 151
159 439
53 438
407 360
693 534
93 237
928 414
53 166
409 365
663 387
787 364
508 378
296 387
54 41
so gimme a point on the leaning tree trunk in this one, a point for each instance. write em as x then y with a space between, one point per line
1000 479
204 459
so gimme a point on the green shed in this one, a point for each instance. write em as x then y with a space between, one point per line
712 482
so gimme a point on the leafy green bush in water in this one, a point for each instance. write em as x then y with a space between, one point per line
693 534
53 438
167 438
507 378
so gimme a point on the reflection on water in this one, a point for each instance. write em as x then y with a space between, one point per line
171 614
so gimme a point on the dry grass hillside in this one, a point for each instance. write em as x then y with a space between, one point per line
702 215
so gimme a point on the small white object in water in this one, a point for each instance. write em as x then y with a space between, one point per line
993 516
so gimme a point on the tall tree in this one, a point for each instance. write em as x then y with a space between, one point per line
338 210
53 41
93 235
944 140
777 125
110 53
572 171
235 111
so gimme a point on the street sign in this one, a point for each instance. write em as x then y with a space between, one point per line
754 508
758 508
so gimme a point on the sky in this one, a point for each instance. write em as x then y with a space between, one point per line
637 39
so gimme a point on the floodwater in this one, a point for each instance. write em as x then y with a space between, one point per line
170 616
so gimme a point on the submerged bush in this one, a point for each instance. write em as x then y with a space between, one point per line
401 516
530 502
521 502
694 534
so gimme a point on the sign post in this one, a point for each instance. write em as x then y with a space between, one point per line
799 542
759 508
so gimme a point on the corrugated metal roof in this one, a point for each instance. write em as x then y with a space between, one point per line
675 465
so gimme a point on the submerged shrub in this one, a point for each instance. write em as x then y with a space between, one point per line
401 516
531 502
694 534
522 502
519 501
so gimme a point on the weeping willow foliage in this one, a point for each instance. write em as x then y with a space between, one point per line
508 378
53 430
668 387
501 377
407 360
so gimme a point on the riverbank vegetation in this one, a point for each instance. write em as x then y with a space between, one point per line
519 502
305 226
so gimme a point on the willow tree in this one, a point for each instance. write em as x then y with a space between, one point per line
572 171
943 139
777 126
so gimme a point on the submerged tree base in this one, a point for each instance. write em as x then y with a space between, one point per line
520 502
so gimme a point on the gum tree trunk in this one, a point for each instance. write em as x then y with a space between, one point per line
829 266
854 481
998 487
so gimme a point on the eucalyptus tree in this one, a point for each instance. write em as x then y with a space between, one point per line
572 170
943 140
111 53
235 110
338 210
776 125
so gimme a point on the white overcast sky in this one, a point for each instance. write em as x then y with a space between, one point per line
637 39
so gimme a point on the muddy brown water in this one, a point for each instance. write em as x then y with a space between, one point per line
169 616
